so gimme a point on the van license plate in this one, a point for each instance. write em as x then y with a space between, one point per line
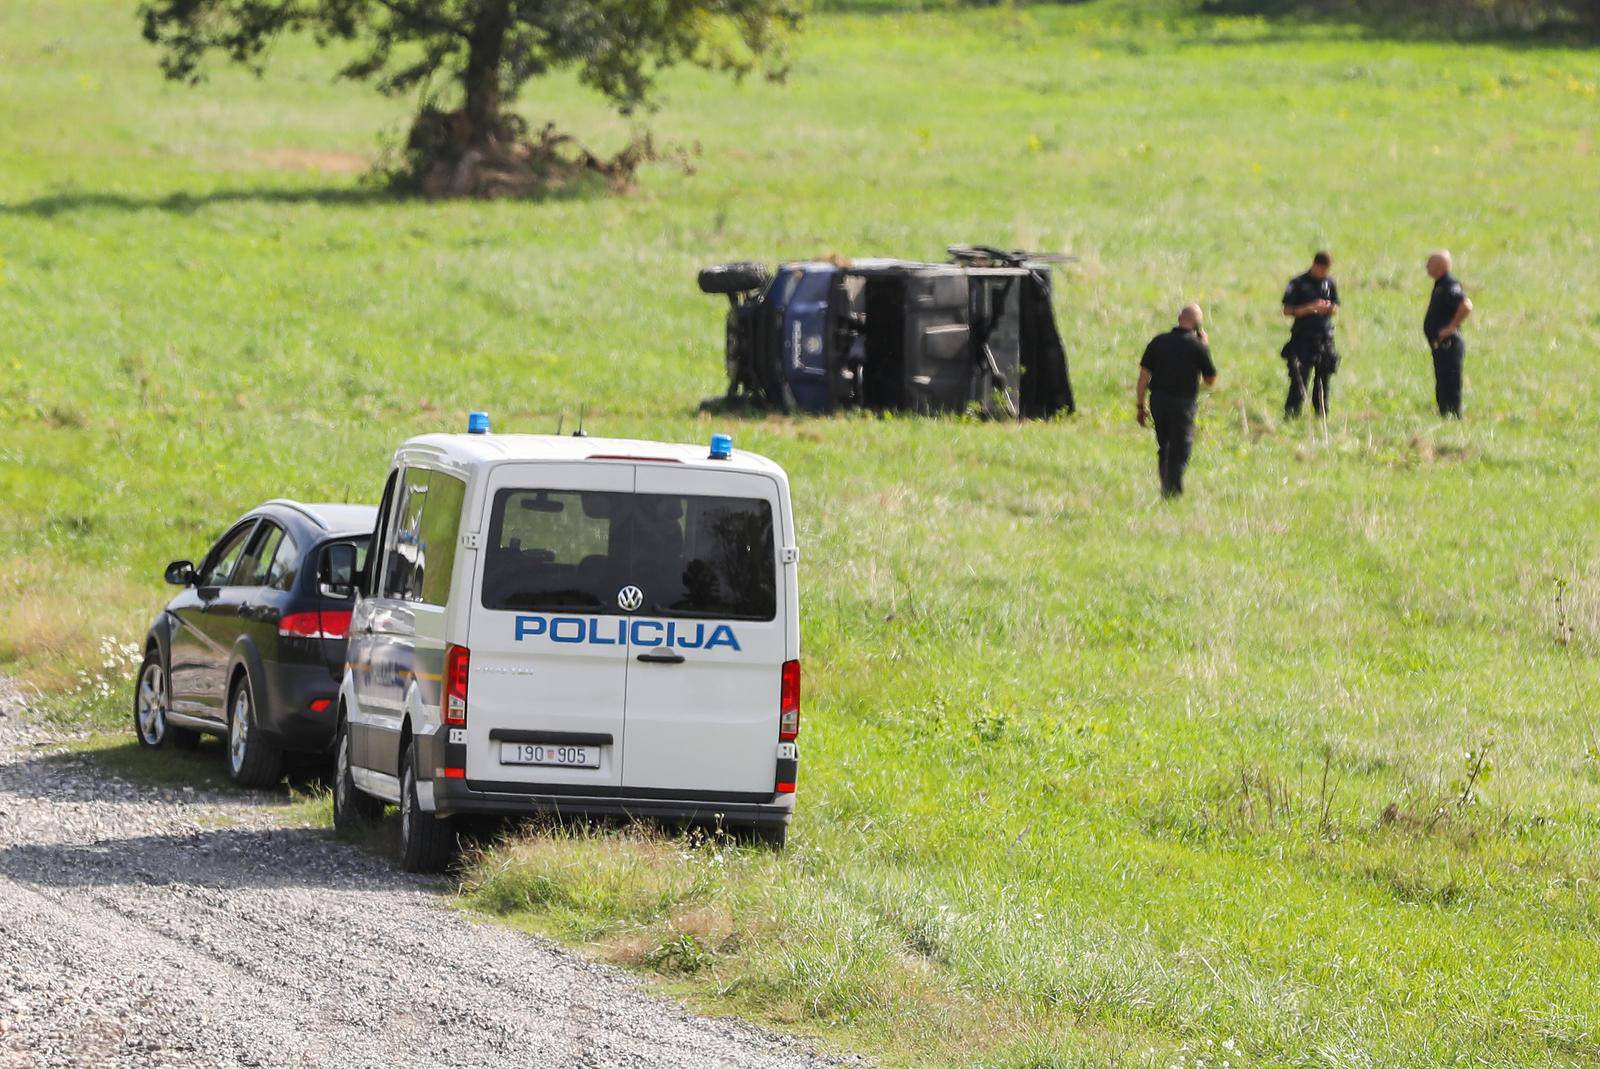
538 753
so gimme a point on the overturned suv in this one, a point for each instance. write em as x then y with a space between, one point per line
975 334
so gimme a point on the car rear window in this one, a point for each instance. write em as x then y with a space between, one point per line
691 556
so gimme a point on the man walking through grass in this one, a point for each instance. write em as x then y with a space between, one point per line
1170 373
1448 308
1311 300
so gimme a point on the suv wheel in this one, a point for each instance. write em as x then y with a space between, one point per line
427 842
150 703
353 808
252 761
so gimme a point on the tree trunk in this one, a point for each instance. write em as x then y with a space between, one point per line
481 80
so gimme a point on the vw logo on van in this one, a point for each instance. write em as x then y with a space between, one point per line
629 598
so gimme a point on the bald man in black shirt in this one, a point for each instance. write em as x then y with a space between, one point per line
1448 308
1171 371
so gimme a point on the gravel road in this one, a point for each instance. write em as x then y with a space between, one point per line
145 926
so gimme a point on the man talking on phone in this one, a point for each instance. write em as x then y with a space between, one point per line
1170 373
1311 300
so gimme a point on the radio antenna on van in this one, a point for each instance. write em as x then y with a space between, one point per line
580 433
560 421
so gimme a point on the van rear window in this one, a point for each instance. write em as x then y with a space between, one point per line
691 556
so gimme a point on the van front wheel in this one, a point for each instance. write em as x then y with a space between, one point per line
353 808
427 842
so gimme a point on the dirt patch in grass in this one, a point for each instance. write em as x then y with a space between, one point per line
318 161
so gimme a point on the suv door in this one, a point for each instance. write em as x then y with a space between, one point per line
709 640
226 616
194 662
256 612
547 679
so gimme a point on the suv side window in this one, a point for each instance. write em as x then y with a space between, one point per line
258 559
285 564
224 557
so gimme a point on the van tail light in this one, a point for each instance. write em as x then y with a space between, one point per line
789 703
454 706
324 624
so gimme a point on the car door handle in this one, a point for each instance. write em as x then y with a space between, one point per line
665 657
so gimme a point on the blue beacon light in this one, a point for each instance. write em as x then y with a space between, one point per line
478 423
721 446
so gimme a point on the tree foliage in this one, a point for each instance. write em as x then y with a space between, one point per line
485 51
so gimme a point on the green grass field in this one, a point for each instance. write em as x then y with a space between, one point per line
1089 778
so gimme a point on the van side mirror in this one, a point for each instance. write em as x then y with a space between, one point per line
180 573
336 571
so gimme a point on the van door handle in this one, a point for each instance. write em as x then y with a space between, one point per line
666 657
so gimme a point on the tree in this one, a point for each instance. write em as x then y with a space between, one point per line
485 51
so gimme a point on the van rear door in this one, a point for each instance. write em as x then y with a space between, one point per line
709 639
548 670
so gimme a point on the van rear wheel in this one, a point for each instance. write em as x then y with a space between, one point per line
427 842
772 836
353 808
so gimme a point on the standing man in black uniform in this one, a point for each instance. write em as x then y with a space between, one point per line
1448 308
1311 300
1171 370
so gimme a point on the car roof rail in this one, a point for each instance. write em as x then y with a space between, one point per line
283 502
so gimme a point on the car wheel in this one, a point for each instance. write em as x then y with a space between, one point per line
150 704
353 808
252 761
427 842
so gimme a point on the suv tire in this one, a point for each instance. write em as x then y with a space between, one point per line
150 704
427 842
252 760
734 278
353 808
151 701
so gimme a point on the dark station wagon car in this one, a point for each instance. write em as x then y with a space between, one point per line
253 648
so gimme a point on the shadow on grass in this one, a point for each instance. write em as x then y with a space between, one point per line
66 201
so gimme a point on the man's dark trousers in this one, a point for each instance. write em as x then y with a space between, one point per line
1448 356
1306 361
1174 420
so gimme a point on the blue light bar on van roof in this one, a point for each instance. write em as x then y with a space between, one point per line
721 446
478 423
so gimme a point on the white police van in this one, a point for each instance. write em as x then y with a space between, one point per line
574 625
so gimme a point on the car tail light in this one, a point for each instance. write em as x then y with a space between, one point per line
456 659
320 705
327 624
789 703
